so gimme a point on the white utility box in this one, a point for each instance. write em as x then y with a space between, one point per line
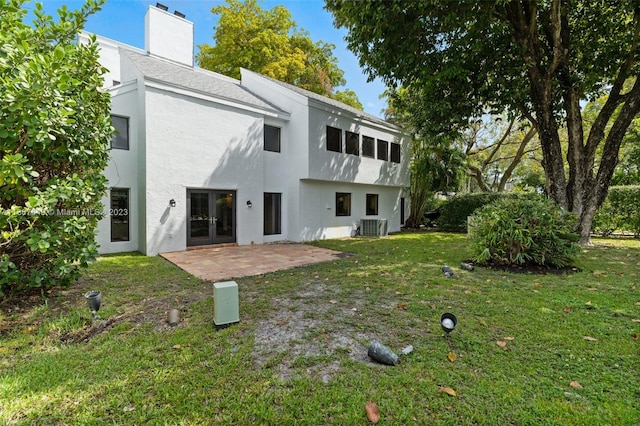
225 304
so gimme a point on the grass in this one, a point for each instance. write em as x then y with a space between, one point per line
555 329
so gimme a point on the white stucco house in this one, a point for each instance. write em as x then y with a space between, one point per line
202 159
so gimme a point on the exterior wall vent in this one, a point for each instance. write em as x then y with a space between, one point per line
373 227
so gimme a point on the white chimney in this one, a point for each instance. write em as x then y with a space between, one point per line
168 36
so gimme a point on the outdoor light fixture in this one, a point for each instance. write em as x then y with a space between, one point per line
94 298
448 321
249 204
172 202
179 14
162 6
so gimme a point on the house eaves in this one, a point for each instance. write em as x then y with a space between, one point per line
332 105
201 84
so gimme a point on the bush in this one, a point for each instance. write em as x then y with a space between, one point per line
619 212
456 210
524 230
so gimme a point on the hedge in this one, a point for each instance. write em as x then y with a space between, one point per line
619 212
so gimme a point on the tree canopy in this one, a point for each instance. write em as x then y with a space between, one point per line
270 43
538 59
54 136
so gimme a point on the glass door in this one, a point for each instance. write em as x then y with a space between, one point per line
210 217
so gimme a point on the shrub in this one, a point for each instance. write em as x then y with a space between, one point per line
619 211
456 210
524 230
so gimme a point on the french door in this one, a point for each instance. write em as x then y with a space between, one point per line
211 216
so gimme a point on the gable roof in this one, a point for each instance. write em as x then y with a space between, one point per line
197 79
326 100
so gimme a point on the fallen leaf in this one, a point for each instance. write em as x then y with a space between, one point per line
432 306
592 289
575 384
637 303
129 407
567 309
635 336
333 302
501 343
591 339
176 346
452 357
373 413
508 338
635 320
403 306
447 390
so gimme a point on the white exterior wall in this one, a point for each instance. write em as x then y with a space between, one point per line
123 171
196 144
318 202
168 36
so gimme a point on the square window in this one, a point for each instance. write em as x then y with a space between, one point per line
120 139
383 150
372 204
334 139
395 152
272 213
343 204
368 147
271 138
119 213
352 143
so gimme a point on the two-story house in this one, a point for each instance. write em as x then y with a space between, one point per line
201 158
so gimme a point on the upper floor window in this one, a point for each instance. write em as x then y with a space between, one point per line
334 139
395 152
120 139
343 204
383 150
352 145
271 138
368 147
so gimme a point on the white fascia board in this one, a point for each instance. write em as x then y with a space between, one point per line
163 85
248 75
122 88
330 109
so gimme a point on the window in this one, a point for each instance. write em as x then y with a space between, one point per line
120 139
272 213
352 143
343 204
368 147
372 204
334 139
395 152
383 150
402 211
119 213
271 138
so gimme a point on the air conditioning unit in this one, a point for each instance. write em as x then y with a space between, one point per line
373 227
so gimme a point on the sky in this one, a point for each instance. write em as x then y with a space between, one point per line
123 21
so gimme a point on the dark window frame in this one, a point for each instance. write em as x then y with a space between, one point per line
395 152
343 207
271 209
368 145
371 211
331 144
379 144
120 214
269 145
118 137
352 143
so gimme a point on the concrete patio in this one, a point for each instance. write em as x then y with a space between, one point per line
219 263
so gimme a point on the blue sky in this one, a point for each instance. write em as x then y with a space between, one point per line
123 20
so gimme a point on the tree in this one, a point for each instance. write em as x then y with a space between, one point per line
495 150
269 42
54 135
539 59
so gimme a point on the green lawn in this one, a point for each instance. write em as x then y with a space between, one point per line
529 349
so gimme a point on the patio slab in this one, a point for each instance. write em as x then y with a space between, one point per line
227 262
